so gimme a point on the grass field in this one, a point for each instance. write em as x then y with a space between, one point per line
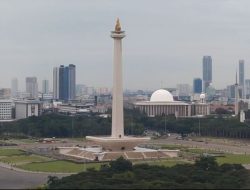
59 166
174 147
70 167
166 163
44 164
200 151
21 159
11 152
234 159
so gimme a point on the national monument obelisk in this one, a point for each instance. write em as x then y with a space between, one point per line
117 104
117 141
107 148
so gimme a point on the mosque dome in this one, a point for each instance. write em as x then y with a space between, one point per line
202 96
161 96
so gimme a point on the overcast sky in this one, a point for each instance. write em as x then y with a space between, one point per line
165 42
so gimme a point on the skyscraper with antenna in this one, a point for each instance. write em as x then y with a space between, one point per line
236 110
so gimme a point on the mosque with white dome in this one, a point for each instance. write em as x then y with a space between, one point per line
162 103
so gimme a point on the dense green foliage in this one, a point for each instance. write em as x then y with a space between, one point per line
54 125
217 127
120 174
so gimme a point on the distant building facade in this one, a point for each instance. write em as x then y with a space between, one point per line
5 93
231 91
45 87
183 89
162 103
242 78
56 83
247 88
207 71
197 86
6 110
27 108
14 88
64 82
32 87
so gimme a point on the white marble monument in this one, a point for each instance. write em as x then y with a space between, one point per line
117 140
112 147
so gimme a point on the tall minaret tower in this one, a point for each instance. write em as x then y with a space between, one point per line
117 104
236 110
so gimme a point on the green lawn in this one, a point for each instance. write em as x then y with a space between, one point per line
201 151
59 166
21 159
26 140
166 163
234 159
70 167
11 152
173 147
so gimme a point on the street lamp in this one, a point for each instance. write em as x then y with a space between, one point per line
72 126
165 123
199 127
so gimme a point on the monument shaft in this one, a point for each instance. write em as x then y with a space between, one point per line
117 104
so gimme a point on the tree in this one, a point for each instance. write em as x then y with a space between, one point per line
221 111
207 163
121 165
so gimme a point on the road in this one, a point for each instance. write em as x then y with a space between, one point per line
225 145
11 179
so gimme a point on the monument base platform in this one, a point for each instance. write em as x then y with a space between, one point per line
96 154
110 144
109 148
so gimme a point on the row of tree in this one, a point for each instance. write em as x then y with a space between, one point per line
54 125
121 174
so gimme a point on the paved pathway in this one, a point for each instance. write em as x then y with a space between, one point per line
14 178
233 147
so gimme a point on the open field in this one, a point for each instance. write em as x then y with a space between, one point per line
21 159
174 147
189 151
10 152
200 151
166 163
234 159
59 166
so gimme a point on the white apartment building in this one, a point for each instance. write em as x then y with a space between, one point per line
5 110
28 108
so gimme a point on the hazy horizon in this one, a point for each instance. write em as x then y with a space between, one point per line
165 41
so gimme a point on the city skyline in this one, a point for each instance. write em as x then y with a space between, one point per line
33 41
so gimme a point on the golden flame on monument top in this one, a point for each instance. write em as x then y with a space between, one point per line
118 26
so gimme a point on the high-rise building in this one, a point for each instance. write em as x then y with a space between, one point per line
45 86
5 93
236 103
27 108
64 83
72 81
61 82
14 87
247 88
81 89
207 71
183 89
56 83
32 87
197 86
231 91
242 78
5 110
